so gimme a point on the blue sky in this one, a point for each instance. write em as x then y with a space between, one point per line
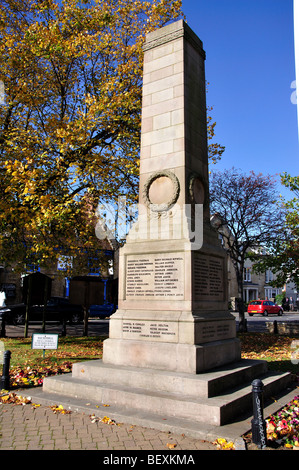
250 67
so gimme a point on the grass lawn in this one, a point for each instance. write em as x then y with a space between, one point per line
29 366
275 349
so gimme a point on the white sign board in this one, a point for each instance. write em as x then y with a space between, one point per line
44 341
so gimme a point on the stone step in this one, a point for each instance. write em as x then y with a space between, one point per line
215 410
205 385
198 430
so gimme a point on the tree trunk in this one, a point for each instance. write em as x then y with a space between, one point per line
241 307
242 319
28 306
86 307
45 305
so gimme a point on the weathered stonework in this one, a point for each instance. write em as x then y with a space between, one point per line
172 288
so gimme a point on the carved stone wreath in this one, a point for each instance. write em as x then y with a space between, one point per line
197 190
171 199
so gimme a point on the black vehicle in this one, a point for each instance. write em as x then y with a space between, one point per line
57 309
102 311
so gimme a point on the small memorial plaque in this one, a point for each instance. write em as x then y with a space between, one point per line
44 341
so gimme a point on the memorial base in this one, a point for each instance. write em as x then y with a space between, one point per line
172 341
188 358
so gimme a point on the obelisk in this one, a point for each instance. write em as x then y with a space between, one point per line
173 305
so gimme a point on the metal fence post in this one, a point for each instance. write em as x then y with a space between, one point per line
258 424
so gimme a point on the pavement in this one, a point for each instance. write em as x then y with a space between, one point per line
42 425
39 428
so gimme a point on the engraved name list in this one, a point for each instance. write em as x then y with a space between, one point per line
155 276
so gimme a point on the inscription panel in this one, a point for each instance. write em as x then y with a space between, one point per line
214 331
155 276
149 330
208 278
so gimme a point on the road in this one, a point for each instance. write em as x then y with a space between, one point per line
95 328
98 327
257 323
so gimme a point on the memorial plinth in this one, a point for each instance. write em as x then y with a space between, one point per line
173 305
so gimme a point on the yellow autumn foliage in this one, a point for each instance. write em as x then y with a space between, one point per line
70 124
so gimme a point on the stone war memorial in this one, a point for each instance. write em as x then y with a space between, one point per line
172 354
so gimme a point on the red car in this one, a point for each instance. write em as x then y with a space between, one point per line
264 307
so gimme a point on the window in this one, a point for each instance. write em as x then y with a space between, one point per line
268 276
32 268
271 292
93 266
64 263
9 289
247 275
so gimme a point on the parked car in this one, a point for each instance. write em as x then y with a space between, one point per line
102 311
263 307
57 309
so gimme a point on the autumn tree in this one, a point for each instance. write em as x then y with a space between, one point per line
70 125
244 210
283 256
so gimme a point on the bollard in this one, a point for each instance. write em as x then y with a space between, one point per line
5 371
258 424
